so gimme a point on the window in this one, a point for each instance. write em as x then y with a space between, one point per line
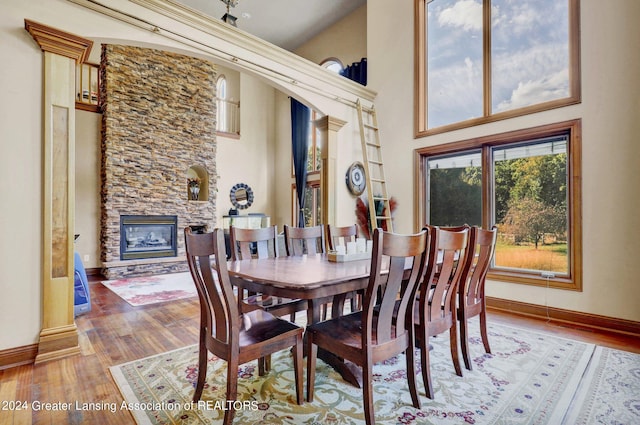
227 110
332 64
527 183
312 203
221 111
485 60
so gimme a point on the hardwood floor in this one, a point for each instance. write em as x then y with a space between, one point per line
114 333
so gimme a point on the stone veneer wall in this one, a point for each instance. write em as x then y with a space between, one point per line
158 121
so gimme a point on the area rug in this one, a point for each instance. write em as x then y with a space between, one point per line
529 379
153 289
610 390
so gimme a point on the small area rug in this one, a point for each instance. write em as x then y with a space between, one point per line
530 378
153 289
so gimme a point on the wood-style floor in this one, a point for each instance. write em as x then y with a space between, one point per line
114 333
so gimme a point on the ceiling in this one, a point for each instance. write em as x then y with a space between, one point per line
285 23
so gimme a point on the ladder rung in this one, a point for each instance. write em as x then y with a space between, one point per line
373 144
377 180
380 198
371 161
370 127
383 217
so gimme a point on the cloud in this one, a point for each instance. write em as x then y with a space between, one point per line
465 14
550 87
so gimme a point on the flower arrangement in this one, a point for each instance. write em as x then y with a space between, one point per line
193 184
364 219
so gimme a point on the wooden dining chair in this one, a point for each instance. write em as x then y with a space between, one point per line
234 336
347 234
262 243
304 240
436 311
334 233
372 335
471 300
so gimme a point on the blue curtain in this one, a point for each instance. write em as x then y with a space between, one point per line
357 71
300 116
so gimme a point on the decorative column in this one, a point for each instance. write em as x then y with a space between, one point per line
61 51
329 127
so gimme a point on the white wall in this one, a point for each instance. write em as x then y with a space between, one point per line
610 113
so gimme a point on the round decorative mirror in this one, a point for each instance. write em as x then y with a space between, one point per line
241 196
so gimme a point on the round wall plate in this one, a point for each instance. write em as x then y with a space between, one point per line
355 178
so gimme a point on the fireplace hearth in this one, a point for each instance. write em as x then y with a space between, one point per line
148 236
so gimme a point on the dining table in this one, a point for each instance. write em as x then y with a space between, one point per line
309 277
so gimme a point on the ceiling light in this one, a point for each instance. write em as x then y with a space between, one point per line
228 17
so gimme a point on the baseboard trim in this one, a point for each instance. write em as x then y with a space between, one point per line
18 356
97 271
575 318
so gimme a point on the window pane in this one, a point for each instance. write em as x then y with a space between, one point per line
530 52
455 189
454 61
530 206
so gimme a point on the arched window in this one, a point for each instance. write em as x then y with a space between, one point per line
332 64
221 96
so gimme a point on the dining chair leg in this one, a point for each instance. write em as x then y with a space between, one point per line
232 389
483 331
312 352
202 372
424 362
411 375
297 367
453 343
367 390
464 342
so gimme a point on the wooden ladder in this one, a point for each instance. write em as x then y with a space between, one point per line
379 208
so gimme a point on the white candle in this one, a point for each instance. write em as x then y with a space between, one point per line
361 244
369 246
351 248
341 250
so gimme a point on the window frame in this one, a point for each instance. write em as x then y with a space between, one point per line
421 79
572 128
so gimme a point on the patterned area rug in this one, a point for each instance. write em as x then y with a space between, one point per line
153 289
530 378
610 390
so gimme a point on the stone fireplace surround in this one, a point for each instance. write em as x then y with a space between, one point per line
158 124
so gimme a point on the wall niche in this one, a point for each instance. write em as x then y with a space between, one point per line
197 183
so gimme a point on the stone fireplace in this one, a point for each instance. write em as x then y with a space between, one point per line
158 134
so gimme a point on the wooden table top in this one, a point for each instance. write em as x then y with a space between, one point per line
306 277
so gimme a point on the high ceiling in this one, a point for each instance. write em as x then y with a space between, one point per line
285 23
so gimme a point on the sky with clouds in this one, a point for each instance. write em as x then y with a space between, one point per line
530 56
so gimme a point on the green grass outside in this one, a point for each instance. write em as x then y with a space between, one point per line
547 257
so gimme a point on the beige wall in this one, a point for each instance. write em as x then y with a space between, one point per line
88 187
610 112
345 40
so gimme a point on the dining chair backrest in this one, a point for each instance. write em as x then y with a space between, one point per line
482 245
219 312
253 243
390 299
303 240
334 233
445 266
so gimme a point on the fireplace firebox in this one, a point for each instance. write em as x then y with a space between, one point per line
148 236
